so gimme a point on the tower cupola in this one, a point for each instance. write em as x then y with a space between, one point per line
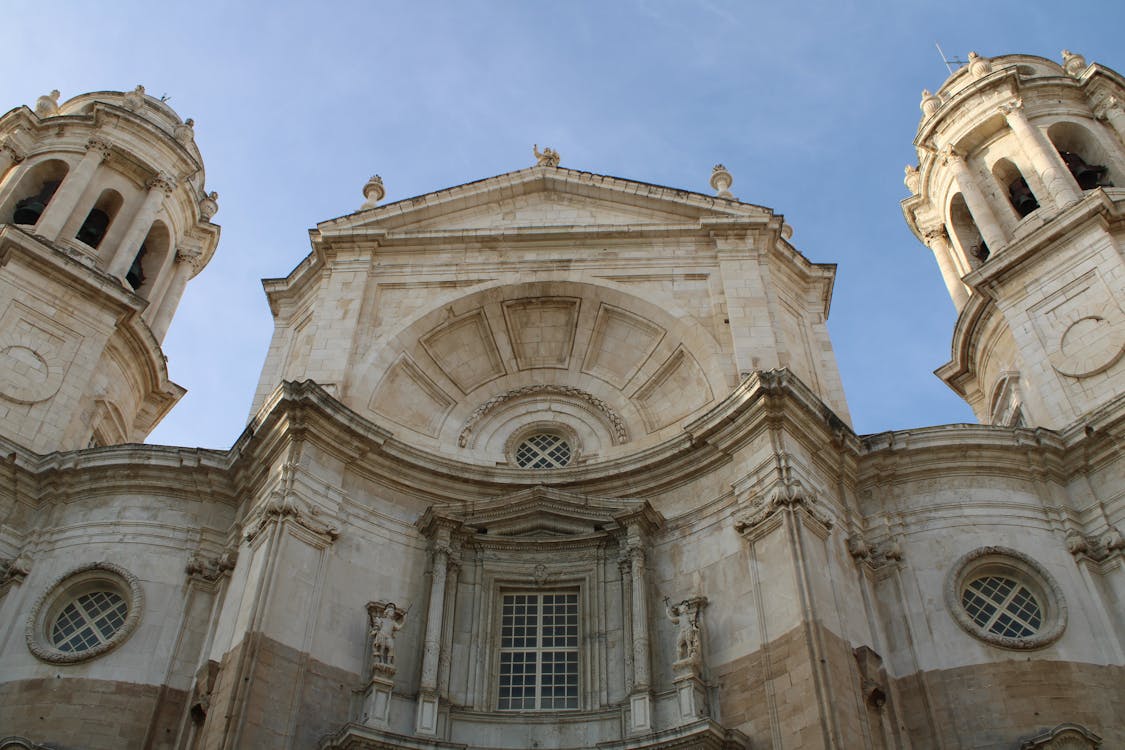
102 196
1015 193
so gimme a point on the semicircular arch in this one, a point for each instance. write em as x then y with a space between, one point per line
639 366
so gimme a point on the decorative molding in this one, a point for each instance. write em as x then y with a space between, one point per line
616 423
873 678
787 494
1063 737
211 569
281 506
35 632
1021 567
874 555
15 569
1095 547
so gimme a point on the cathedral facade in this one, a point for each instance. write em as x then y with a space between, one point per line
561 460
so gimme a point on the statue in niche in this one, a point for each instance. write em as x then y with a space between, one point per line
386 620
685 616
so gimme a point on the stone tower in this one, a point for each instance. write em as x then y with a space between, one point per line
1015 194
103 220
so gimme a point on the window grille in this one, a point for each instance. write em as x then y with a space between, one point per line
539 652
88 621
1002 606
543 451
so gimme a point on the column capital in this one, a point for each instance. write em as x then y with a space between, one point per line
99 147
15 151
1011 107
950 155
934 233
1105 106
162 182
189 255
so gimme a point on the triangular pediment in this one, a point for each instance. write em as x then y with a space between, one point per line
541 197
543 512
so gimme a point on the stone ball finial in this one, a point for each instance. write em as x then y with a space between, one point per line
135 99
912 179
930 103
48 104
721 181
373 191
979 66
209 205
548 157
1073 63
185 131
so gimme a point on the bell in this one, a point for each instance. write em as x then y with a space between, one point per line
135 277
1088 176
1022 198
93 229
29 210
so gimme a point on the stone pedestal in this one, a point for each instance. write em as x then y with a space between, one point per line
640 713
426 721
691 696
377 698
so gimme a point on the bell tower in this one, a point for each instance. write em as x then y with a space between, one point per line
1020 194
103 220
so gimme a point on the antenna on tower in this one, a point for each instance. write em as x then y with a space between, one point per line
947 60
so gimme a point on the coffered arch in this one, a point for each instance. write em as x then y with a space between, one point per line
608 366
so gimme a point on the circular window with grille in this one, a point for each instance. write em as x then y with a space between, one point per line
543 450
84 614
1005 598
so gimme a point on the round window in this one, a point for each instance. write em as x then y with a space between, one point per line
543 451
1005 598
84 614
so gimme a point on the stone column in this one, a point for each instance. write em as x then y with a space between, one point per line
640 702
444 664
938 241
159 188
1111 113
182 271
426 722
63 202
625 567
985 219
1045 159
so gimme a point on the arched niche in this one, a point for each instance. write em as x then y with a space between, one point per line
1087 159
28 201
965 235
96 224
1012 183
150 260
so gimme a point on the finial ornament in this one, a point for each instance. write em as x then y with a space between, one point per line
48 104
979 66
135 99
912 179
930 103
185 131
373 191
1073 63
209 205
548 157
721 181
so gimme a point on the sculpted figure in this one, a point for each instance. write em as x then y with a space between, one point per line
384 626
685 616
548 157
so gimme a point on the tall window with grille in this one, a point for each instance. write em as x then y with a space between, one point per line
539 651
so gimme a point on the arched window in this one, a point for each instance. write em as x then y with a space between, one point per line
965 233
1012 181
149 260
35 190
94 228
1087 161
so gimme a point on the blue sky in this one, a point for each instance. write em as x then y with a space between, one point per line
812 107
